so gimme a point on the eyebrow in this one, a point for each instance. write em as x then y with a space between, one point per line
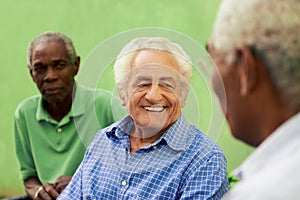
60 61
168 78
142 78
36 64
53 61
145 78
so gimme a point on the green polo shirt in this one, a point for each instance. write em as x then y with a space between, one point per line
48 149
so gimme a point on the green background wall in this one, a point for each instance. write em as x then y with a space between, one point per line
88 23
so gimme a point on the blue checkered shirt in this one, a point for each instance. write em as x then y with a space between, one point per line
183 164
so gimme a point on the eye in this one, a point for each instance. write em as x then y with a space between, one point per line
143 85
60 65
39 68
167 85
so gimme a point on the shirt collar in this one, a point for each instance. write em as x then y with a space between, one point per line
80 101
78 107
178 136
41 113
281 143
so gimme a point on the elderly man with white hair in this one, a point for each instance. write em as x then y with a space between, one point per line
256 48
153 153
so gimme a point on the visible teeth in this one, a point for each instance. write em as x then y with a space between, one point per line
155 109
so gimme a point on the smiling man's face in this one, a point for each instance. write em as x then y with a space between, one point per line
154 94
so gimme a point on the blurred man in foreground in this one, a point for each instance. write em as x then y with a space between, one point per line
256 48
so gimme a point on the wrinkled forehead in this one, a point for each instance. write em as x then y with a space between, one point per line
155 64
154 57
154 72
49 49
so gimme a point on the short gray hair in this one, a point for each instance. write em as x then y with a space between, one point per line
52 37
269 27
125 57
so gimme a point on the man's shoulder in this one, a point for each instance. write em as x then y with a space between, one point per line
29 103
189 136
97 93
276 181
101 138
203 143
101 93
105 99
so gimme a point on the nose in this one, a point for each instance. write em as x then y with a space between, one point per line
154 94
50 75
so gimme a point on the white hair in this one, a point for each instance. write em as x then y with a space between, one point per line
127 54
271 28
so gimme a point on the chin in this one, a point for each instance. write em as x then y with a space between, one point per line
245 138
53 100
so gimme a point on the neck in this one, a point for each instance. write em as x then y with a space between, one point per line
263 106
58 110
141 137
266 118
272 119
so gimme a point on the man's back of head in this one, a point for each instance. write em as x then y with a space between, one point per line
269 31
256 48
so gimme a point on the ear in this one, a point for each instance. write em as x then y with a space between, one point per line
248 70
184 96
76 65
30 72
122 97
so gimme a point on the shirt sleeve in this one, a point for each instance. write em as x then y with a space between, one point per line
22 146
206 181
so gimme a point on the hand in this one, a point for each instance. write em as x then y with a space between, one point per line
36 191
46 192
61 182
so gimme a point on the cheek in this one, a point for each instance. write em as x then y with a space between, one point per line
38 81
176 98
35 77
132 101
175 106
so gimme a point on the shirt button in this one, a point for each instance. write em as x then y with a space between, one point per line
123 182
59 130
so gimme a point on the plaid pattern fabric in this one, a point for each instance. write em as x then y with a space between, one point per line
182 164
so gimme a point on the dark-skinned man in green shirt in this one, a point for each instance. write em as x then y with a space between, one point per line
51 129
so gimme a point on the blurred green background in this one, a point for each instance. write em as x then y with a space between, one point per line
88 23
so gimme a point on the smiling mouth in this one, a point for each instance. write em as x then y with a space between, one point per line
155 108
